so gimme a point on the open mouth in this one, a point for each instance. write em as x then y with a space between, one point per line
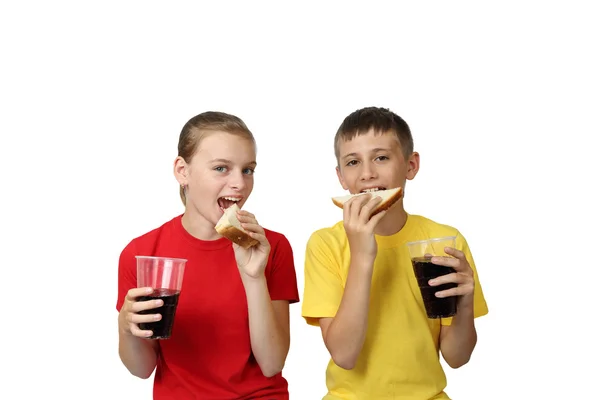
374 189
226 202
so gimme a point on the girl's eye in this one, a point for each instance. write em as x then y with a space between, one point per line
220 169
249 171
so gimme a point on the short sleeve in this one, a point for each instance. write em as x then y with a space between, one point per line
479 304
127 275
323 287
281 279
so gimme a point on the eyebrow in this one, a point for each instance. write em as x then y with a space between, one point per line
375 150
225 161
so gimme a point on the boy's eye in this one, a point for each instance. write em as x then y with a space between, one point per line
351 163
382 158
249 171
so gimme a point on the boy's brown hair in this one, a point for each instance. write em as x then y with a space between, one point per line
380 120
202 124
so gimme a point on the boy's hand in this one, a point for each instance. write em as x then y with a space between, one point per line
252 261
359 227
463 277
129 317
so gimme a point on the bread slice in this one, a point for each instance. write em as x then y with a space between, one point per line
389 198
230 227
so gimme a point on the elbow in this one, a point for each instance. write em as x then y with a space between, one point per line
144 375
270 371
455 364
457 361
141 373
345 361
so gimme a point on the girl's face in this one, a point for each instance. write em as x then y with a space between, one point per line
220 173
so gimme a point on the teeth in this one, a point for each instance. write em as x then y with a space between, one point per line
371 190
232 199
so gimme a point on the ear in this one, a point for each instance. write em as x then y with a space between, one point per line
413 164
340 177
180 170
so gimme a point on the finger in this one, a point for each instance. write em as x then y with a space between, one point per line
247 218
134 293
446 261
375 219
356 204
448 278
455 252
244 213
460 290
262 239
141 318
367 209
136 331
145 305
251 227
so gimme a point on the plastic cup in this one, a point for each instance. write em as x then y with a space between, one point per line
165 276
420 253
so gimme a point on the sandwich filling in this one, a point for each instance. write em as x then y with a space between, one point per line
371 190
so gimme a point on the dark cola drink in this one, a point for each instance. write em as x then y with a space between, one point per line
435 307
161 329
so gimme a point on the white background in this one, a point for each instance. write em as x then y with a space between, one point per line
503 101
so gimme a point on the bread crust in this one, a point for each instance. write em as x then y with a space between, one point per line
237 236
384 205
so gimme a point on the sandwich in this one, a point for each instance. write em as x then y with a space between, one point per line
389 198
230 227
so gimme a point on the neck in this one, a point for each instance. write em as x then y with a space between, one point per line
198 226
393 222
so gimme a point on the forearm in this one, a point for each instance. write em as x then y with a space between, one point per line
346 333
139 355
269 340
459 339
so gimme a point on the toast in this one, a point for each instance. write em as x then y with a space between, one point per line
389 198
231 228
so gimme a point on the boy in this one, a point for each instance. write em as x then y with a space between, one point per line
359 283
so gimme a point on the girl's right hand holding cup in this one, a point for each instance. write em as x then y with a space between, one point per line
129 316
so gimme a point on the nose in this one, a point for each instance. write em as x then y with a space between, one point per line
368 172
237 181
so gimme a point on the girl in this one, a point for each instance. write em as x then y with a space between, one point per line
231 334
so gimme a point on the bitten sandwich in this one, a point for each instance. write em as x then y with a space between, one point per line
389 198
230 227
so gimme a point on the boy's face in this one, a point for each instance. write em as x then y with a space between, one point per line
374 161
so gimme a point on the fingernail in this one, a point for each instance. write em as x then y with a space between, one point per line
157 317
149 290
437 294
158 303
432 282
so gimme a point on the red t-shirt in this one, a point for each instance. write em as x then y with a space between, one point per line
208 355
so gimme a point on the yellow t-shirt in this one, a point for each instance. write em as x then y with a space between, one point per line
400 356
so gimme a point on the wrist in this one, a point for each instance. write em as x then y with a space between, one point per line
362 260
124 327
248 280
465 304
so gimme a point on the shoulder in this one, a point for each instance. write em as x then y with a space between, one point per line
435 227
333 236
148 240
431 228
276 238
